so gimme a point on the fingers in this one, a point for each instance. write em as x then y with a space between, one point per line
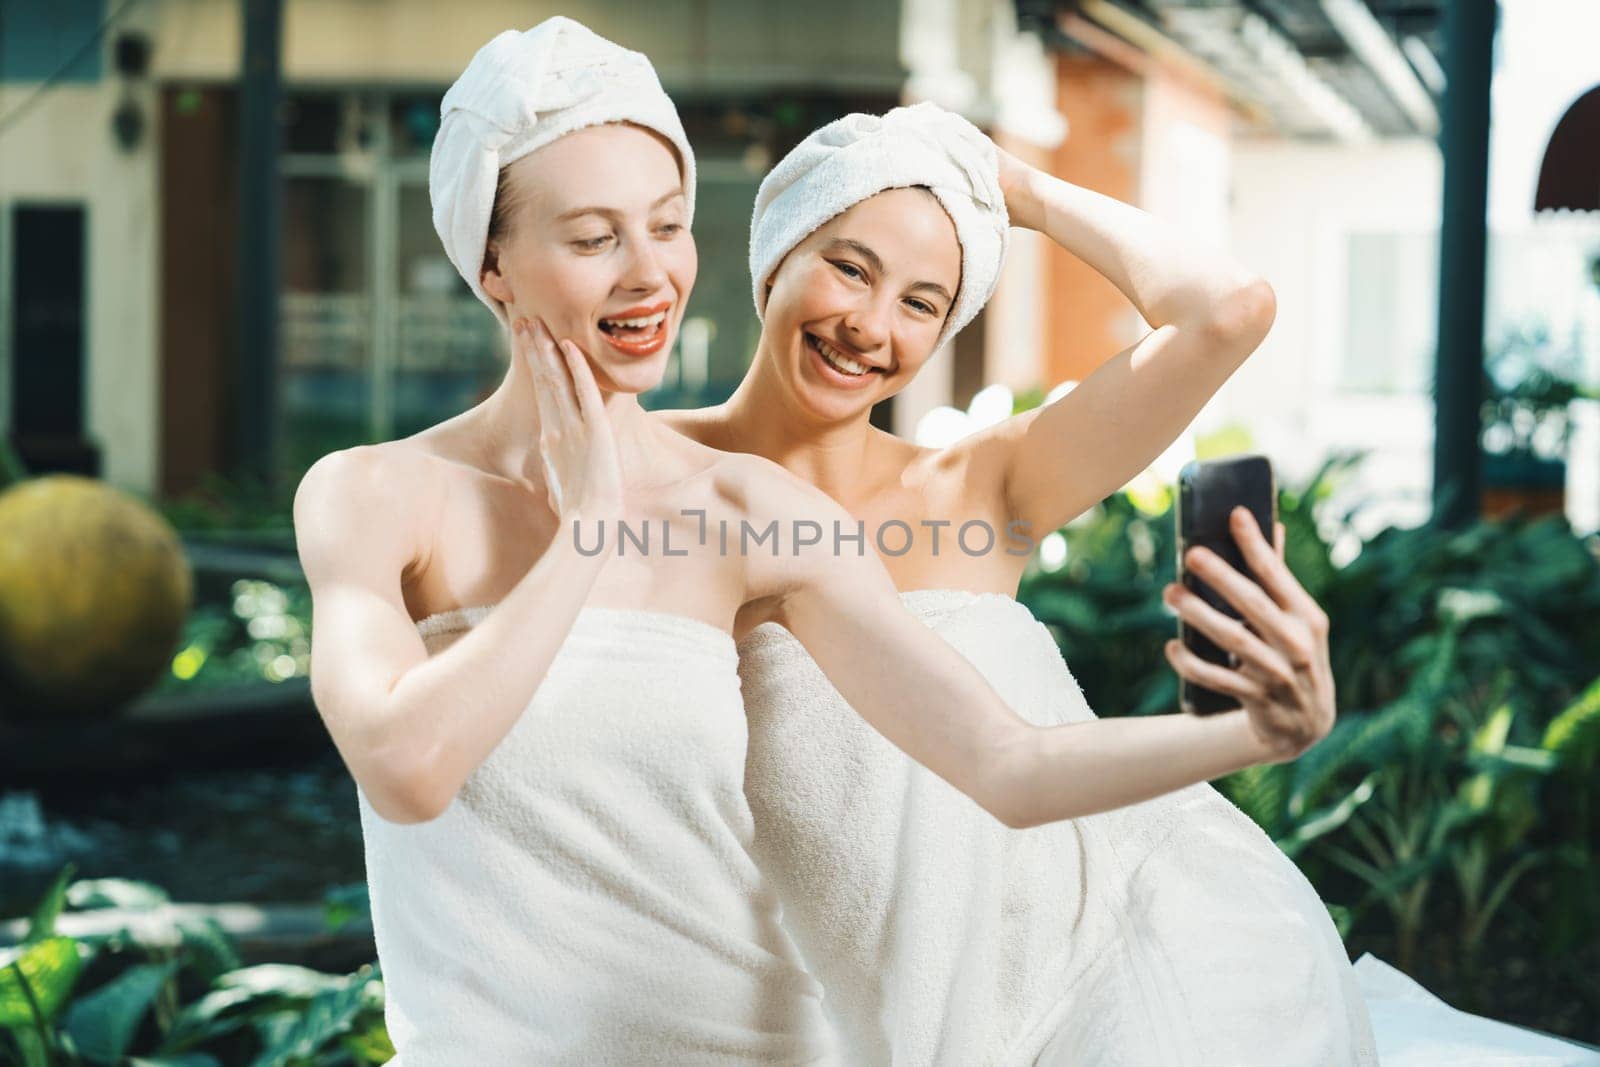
1277 668
1268 565
557 371
589 399
1220 679
1282 539
1269 619
544 387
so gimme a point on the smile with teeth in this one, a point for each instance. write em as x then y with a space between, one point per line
646 324
837 359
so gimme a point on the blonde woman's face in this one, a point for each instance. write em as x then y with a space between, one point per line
599 248
855 310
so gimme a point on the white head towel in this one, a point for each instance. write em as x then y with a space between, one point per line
859 156
520 92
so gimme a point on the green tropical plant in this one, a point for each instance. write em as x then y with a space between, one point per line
1455 793
267 1015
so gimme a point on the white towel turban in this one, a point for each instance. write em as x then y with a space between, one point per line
859 156
520 92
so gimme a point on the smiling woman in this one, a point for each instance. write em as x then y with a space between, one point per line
1169 931
619 273
842 300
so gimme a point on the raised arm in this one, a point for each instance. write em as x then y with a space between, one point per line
932 703
412 728
1206 313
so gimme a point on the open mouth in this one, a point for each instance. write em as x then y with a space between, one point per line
837 360
637 331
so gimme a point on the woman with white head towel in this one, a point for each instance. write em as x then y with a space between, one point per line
1167 932
542 713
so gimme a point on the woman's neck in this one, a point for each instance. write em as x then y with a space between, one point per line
763 418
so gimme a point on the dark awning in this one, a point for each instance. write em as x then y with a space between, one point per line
1569 177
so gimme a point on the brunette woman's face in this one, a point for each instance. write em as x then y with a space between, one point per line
598 247
855 310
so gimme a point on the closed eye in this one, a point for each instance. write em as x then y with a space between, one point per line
592 244
669 229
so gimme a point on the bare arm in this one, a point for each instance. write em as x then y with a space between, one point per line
412 728
907 682
1206 314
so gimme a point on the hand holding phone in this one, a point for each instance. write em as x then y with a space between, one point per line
1207 494
1250 635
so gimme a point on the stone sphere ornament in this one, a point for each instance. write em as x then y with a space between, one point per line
94 592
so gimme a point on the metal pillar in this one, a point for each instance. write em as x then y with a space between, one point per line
1464 145
255 397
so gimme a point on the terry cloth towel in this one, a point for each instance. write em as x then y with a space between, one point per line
520 92
1168 932
860 155
589 896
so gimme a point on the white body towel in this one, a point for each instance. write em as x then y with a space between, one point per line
1417 1029
1169 932
589 896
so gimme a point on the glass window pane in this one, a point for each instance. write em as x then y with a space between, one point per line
326 356
448 346
1392 301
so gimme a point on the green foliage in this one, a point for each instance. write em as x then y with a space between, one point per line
168 990
244 508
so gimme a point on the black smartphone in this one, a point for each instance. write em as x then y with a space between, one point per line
1207 494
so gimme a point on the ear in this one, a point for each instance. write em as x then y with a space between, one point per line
493 282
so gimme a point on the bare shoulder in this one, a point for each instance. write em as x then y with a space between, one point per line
367 504
788 534
760 489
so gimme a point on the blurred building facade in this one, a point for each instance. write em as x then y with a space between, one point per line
1284 131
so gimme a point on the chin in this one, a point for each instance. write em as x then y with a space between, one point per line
635 377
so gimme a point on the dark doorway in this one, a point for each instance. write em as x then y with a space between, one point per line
47 335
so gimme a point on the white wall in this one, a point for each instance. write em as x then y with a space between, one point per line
62 151
1293 208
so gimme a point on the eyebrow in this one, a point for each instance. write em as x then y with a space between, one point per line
839 243
576 212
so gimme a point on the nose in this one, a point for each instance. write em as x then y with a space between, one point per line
867 324
643 270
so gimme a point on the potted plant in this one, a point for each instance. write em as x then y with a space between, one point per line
1529 383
